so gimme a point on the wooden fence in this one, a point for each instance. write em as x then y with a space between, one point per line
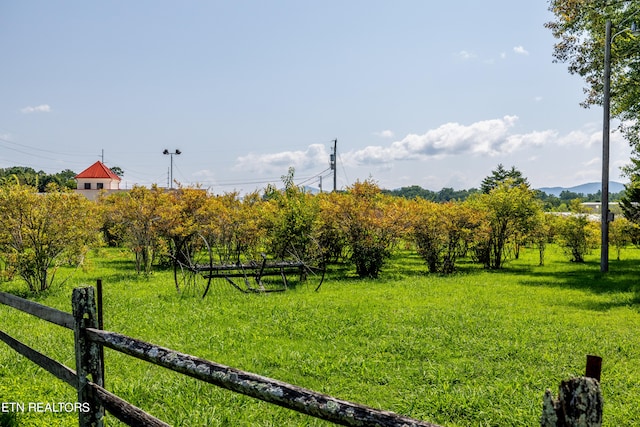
88 378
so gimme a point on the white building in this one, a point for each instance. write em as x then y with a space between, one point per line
95 179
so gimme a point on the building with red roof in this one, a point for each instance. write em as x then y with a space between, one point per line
96 178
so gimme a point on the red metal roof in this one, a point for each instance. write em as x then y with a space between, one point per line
98 170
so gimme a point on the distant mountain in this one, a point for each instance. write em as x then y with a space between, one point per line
312 190
589 188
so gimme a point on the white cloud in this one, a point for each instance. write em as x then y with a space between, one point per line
469 150
464 55
385 134
618 164
520 50
532 139
586 137
315 155
488 137
593 162
206 174
43 108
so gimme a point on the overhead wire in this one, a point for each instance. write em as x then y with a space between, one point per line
344 171
313 177
35 153
29 151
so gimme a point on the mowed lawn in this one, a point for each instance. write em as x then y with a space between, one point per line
471 349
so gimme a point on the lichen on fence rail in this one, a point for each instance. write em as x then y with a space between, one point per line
263 388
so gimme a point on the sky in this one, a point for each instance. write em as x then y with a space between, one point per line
434 94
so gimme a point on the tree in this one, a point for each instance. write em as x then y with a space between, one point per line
578 235
510 211
291 227
39 180
234 227
630 201
501 175
328 229
543 232
444 195
118 171
370 223
579 27
180 222
443 232
139 216
38 233
412 192
622 232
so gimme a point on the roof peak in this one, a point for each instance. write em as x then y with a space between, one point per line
98 170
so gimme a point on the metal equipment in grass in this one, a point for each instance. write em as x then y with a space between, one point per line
189 256
194 268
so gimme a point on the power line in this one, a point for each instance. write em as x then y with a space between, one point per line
59 153
318 175
344 171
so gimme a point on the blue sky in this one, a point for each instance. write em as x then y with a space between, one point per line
435 94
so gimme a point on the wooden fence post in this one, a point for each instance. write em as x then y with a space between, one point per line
594 367
579 401
88 357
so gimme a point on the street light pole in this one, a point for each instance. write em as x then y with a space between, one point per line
177 152
606 122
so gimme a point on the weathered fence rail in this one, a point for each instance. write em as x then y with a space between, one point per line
43 312
89 340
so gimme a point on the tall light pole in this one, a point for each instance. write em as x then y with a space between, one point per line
177 152
606 131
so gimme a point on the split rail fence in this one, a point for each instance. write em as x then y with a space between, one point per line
90 339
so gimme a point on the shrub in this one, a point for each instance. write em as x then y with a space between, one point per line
578 236
371 223
40 232
290 227
510 214
443 232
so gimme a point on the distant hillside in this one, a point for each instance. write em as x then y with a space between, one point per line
589 188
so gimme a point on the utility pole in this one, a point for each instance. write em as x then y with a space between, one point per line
333 161
604 203
605 215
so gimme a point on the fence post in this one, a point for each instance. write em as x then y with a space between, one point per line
579 401
88 357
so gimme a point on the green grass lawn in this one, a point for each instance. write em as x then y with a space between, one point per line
472 349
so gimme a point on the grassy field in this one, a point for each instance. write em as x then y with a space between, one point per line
472 349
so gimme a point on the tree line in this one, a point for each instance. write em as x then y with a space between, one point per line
359 228
39 179
65 179
551 202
